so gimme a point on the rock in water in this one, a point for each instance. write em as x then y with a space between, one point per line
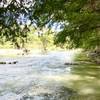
71 64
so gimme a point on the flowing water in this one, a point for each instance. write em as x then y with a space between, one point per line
45 77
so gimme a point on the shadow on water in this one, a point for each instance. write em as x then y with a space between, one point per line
83 80
87 83
47 78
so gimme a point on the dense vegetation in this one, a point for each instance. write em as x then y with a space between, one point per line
32 41
80 20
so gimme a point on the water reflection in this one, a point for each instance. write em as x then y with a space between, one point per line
45 77
90 77
87 83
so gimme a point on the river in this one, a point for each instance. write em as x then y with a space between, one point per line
45 77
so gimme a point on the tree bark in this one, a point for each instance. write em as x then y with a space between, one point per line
92 3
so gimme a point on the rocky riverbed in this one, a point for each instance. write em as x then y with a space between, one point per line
35 77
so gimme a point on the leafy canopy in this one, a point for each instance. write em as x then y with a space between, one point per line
81 19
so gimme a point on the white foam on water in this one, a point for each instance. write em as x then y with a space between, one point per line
31 73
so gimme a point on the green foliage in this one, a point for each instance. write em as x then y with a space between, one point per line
84 25
82 16
46 41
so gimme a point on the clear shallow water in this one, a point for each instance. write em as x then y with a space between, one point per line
45 77
31 77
